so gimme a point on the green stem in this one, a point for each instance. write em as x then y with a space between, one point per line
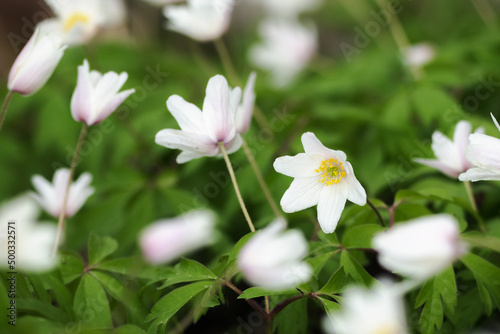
470 194
376 212
260 179
62 215
5 106
235 184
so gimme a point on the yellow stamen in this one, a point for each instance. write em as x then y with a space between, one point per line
331 171
75 19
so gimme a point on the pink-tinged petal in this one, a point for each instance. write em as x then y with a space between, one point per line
445 150
113 105
188 115
495 121
356 193
186 156
82 101
217 113
330 206
461 140
234 99
312 145
444 168
181 140
244 112
234 145
480 174
79 193
300 165
302 194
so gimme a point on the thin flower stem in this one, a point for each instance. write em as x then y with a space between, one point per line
474 205
5 106
262 183
268 304
236 188
62 215
399 36
230 70
376 212
485 11
251 302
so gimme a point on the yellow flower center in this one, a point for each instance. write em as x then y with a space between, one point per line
75 19
331 171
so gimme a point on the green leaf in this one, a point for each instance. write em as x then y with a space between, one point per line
62 294
486 275
45 309
100 248
255 292
71 266
188 271
440 290
296 311
360 236
317 263
330 306
91 305
337 283
478 240
129 329
239 245
136 267
167 306
354 269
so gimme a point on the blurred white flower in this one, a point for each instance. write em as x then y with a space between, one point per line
202 20
114 11
287 48
36 63
244 112
96 95
322 177
290 8
374 311
450 155
33 241
202 131
272 258
484 154
168 239
419 54
420 248
51 195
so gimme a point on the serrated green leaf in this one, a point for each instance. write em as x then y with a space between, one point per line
337 283
440 290
91 305
188 271
71 266
45 309
167 306
296 311
255 292
129 329
360 236
478 240
354 269
318 262
330 307
100 248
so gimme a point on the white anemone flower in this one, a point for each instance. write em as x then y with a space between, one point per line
374 311
168 239
322 177
484 154
451 159
272 258
286 49
35 63
419 55
201 132
33 241
97 95
202 20
420 248
51 195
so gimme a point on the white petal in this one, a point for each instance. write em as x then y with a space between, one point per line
444 168
330 206
244 113
480 174
445 151
188 115
356 193
217 113
312 145
82 102
495 121
461 140
182 140
302 194
300 165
